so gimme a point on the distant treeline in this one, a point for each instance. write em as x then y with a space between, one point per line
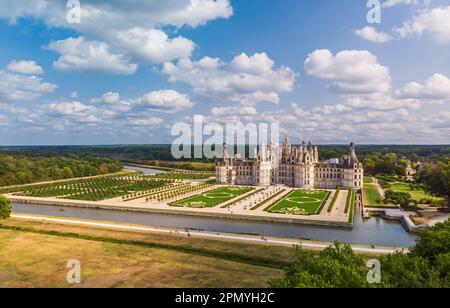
163 152
21 169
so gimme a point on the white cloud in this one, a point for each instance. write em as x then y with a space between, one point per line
372 35
234 111
169 101
80 54
119 30
436 88
114 15
74 110
392 3
435 22
20 87
26 67
350 71
246 78
154 45
146 122
108 98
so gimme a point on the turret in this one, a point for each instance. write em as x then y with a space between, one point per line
225 151
353 157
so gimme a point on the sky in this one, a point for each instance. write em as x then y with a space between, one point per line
125 72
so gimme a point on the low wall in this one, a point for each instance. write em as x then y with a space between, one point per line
190 213
396 215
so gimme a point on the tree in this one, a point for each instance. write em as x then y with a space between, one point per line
335 267
437 180
433 242
427 265
5 207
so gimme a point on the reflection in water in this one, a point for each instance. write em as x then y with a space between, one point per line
146 171
373 231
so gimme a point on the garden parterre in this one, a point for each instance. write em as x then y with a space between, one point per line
300 202
212 198
95 189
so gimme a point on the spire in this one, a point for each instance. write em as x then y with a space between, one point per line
286 140
353 157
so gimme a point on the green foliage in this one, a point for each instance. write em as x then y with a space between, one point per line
335 267
387 164
333 201
399 198
433 242
93 189
5 207
183 176
350 202
436 179
16 170
408 271
426 266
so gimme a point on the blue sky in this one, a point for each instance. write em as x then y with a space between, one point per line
130 70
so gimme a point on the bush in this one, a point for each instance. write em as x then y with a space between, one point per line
5 207
400 198
426 266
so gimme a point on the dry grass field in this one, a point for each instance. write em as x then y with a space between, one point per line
37 257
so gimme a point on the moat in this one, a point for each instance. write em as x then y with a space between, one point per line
375 231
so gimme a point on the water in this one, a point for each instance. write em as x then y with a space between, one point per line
146 171
375 231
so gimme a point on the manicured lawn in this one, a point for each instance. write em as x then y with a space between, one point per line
212 198
368 180
416 195
350 206
371 196
300 202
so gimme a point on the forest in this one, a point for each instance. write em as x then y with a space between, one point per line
21 169
424 153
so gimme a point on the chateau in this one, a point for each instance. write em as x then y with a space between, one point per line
291 166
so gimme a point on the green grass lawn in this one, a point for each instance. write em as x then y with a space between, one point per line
300 202
416 195
371 196
212 198
368 180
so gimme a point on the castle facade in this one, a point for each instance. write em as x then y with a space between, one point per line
291 166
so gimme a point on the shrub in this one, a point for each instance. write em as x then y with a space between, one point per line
5 207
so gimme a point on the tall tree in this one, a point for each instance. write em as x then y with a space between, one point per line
437 179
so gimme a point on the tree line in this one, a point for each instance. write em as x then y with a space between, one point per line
16 170
427 265
163 152
436 179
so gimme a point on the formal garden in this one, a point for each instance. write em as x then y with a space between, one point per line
301 202
178 192
398 194
95 189
183 176
212 198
